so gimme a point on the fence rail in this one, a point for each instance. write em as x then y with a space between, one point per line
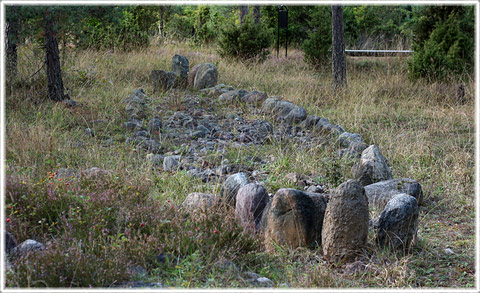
378 53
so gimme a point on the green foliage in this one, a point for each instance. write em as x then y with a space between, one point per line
126 31
317 48
444 42
247 41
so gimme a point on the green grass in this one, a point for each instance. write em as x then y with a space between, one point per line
94 225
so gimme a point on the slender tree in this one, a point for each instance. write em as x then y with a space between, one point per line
243 11
52 57
339 68
161 13
11 41
256 13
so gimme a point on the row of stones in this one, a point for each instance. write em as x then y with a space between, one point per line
347 215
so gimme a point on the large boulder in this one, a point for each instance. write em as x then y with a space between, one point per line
164 80
397 226
381 192
203 75
200 201
180 66
345 226
231 186
293 218
372 167
284 110
250 203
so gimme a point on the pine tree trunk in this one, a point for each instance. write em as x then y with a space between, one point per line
256 13
11 40
54 71
160 21
243 11
339 68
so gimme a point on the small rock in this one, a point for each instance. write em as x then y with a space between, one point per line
372 167
95 172
155 159
26 247
69 103
154 126
203 75
231 186
397 225
200 201
381 192
163 80
449 251
170 163
151 146
89 132
134 125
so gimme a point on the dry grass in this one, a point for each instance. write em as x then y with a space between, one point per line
425 134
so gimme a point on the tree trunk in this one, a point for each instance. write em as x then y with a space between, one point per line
160 21
52 56
256 13
339 68
244 10
11 40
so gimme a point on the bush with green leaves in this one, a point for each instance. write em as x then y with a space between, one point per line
247 41
317 48
444 42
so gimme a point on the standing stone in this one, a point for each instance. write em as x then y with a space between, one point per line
397 226
373 167
180 66
163 80
203 75
250 203
345 226
231 186
381 192
293 218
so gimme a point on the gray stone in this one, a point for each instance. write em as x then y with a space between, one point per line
151 146
324 127
95 172
163 80
397 226
201 131
250 202
27 246
233 96
255 98
311 121
133 125
66 174
200 201
69 103
345 226
231 186
203 75
315 189
372 167
180 66
154 126
348 139
89 132
381 192
293 218
136 104
170 163
155 159
10 242
284 110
